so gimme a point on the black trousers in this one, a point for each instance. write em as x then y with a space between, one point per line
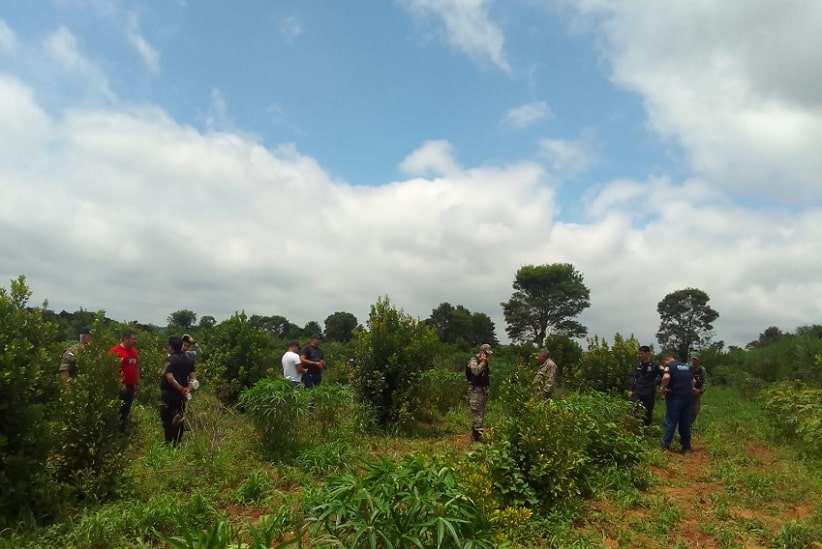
648 404
171 414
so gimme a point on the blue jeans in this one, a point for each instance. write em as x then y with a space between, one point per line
677 414
312 380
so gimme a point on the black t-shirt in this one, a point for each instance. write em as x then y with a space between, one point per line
314 354
646 376
180 366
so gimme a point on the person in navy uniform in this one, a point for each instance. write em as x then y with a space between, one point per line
646 379
677 389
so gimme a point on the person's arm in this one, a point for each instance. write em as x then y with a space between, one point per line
194 350
663 386
65 364
173 382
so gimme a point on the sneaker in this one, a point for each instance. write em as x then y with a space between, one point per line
685 450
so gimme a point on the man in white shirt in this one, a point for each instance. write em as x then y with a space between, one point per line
292 368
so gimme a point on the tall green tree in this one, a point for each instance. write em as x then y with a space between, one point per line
340 326
458 324
546 300
184 318
207 322
685 323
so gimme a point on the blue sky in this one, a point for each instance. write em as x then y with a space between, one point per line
313 156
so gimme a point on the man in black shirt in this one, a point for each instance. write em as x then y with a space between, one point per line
313 359
175 389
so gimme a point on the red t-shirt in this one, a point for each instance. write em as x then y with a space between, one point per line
128 367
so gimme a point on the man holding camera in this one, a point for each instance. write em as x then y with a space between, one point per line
479 381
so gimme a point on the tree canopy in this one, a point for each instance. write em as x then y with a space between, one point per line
455 324
685 321
340 326
546 300
184 318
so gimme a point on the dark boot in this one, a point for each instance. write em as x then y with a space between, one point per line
476 436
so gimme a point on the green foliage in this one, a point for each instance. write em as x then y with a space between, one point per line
545 301
28 387
791 357
207 322
391 355
184 318
796 410
340 326
294 421
416 503
239 354
88 453
606 368
685 323
256 487
459 325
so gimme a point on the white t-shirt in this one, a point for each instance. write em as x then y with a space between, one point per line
290 361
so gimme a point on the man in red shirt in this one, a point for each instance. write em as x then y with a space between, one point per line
129 371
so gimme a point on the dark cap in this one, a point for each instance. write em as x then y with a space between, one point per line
85 330
317 336
293 344
644 349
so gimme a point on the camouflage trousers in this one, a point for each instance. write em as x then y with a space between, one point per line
695 405
477 399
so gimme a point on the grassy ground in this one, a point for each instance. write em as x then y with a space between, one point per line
737 489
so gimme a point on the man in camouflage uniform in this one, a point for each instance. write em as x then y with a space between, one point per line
700 384
479 380
68 361
546 375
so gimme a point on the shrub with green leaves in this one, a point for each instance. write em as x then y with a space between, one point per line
606 368
797 412
415 503
276 407
391 355
88 453
28 390
239 354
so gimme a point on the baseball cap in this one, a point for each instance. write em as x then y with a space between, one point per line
644 349
486 348
85 330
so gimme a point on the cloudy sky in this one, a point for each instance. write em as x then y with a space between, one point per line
302 158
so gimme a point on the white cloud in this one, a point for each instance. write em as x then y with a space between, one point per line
527 114
569 157
468 28
149 54
433 158
290 28
8 41
736 84
80 75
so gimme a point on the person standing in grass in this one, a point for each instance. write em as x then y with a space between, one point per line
677 389
545 379
700 384
646 378
68 361
129 371
479 381
175 386
191 347
313 360
292 367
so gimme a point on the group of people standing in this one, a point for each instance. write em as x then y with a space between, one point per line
680 384
177 380
304 368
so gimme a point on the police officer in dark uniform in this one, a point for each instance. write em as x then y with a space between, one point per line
175 388
646 379
677 389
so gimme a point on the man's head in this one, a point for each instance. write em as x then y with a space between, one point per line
187 341
293 346
129 339
315 339
85 335
695 361
668 356
486 348
644 353
542 355
175 343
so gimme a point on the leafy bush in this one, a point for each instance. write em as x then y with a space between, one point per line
239 355
28 388
88 453
391 355
438 391
606 368
292 421
797 412
416 503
